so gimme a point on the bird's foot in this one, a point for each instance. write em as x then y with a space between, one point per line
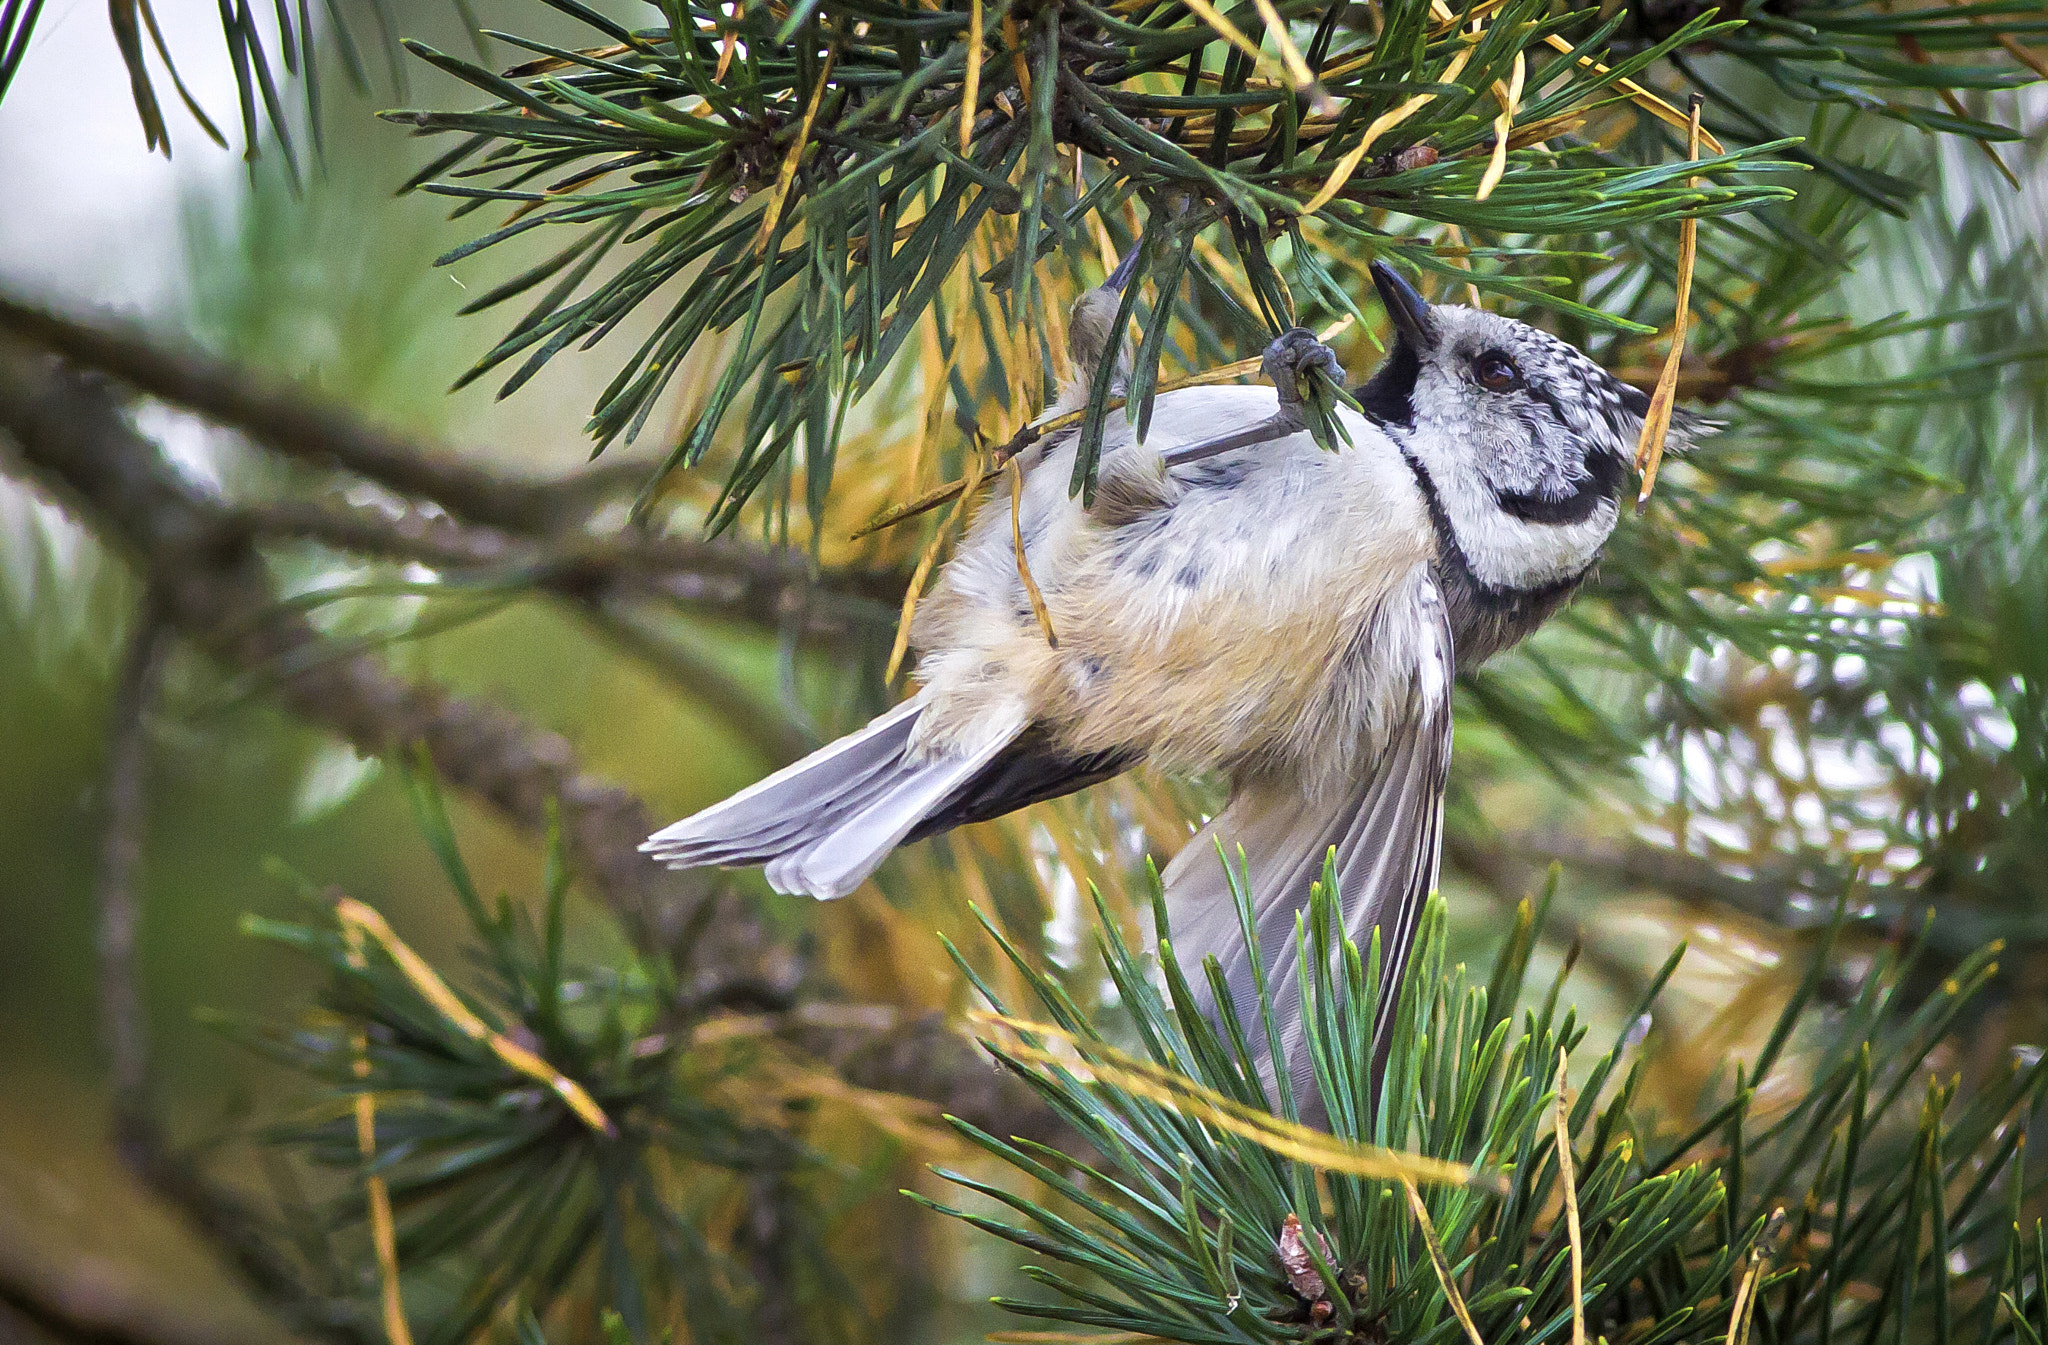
1290 362
1294 355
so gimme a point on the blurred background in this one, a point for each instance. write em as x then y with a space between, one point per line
1728 803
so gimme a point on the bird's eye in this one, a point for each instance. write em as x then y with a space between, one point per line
1496 372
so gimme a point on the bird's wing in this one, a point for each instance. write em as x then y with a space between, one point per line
1387 832
1030 770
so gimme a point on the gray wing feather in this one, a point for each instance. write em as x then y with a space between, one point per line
1387 832
824 824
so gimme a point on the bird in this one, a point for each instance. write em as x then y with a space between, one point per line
1235 599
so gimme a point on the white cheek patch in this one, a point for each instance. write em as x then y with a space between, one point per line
1511 553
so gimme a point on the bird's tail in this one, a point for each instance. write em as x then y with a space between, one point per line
1386 835
824 824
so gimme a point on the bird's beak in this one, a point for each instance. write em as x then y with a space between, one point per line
1124 270
1408 310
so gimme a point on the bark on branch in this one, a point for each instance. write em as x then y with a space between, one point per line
202 563
200 557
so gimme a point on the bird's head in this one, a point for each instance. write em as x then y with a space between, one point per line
1521 441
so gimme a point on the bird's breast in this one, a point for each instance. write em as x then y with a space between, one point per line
1238 627
1229 622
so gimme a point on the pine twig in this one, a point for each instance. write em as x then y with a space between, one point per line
125 806
289 423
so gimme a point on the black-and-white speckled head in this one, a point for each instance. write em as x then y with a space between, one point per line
1521 442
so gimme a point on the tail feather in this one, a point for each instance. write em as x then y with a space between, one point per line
823 825
1386 833
732 830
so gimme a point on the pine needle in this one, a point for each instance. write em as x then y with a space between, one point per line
1463 256
1510 96
963 490
951 490
1016 471
1068 1337
1568 1177
1745 1293
1917 54
970 91
358 920
2024 55
730 45
1385 122
1441 1263
383 1232
1229 31
771 214
1657 420
1643 98
1155 1083
1298 74
1013 38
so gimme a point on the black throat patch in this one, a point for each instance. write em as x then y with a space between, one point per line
1389 395
1485 618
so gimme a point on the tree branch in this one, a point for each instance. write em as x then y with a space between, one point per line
212 586
81 1310
297 427
124 805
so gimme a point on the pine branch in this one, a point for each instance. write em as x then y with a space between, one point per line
76 1310
288 422
213 588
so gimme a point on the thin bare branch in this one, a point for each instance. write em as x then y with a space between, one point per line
289 422
213 587
125 805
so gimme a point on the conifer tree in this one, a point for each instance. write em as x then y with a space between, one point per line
822 253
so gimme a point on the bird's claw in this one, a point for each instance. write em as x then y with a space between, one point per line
1289 361
1292 357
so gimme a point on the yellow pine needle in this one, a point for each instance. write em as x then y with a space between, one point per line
2024 55
1639 95
970 92
1917 54
358 920
1386 121
1745 1293
965 490
1104 244
1229 31
909 1120
1657 420
771 214
1142 1078
1568 1177
1441 1263
938 495
1014 40
1463 256
1510 96
1441 17
1754 591
1016 470
383 1232
1298 74
730 45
